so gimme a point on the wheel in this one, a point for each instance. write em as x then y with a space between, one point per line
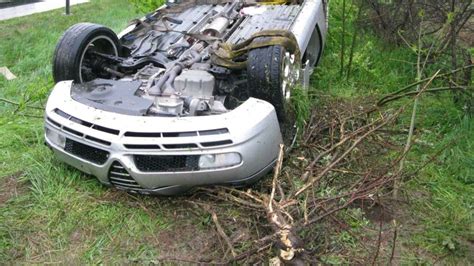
272 73
75 57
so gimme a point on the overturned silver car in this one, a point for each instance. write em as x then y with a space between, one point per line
192 94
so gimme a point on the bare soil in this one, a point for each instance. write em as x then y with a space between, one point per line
10 187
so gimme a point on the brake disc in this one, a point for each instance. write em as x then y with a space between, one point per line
290 74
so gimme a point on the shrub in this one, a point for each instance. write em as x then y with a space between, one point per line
146 5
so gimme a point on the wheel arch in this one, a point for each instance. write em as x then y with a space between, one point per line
316 42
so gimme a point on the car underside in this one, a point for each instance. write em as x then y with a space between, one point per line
195 93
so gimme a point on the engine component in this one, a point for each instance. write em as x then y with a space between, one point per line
196 105
195 83
216 27
169 106
186 60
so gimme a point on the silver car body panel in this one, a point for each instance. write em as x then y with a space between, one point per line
312 16
252 127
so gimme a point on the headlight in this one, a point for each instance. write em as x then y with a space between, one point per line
55 138
213 161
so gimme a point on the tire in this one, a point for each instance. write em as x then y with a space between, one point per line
264 71
70 53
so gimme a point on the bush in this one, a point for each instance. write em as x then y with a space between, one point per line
146 6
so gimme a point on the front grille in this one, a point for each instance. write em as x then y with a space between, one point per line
85 123
142 146
72 131
166 163
180 146
77 133
216 143
120 178
86 152
211 132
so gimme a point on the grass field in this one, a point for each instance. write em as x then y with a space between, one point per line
51 213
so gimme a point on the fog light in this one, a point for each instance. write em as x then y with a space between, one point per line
213 161
55 138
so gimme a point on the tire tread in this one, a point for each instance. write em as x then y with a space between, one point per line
69 49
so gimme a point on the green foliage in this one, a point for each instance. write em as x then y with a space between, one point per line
442 193
447 213
301 105
333 260
146 6
377 68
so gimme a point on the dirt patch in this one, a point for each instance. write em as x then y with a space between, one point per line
10 187
383 212
190 238
188 242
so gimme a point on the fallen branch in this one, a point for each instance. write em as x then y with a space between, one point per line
394 241
18 104
221 232
287 207
440 89
421 81
379 238
396 183
336 161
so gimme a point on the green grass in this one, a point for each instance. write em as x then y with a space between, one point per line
61 215
441 196
446 208
26 49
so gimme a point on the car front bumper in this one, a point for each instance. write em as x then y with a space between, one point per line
161 155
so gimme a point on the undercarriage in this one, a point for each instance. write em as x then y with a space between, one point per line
200 89
170 61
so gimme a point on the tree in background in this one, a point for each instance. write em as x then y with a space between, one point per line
446 30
